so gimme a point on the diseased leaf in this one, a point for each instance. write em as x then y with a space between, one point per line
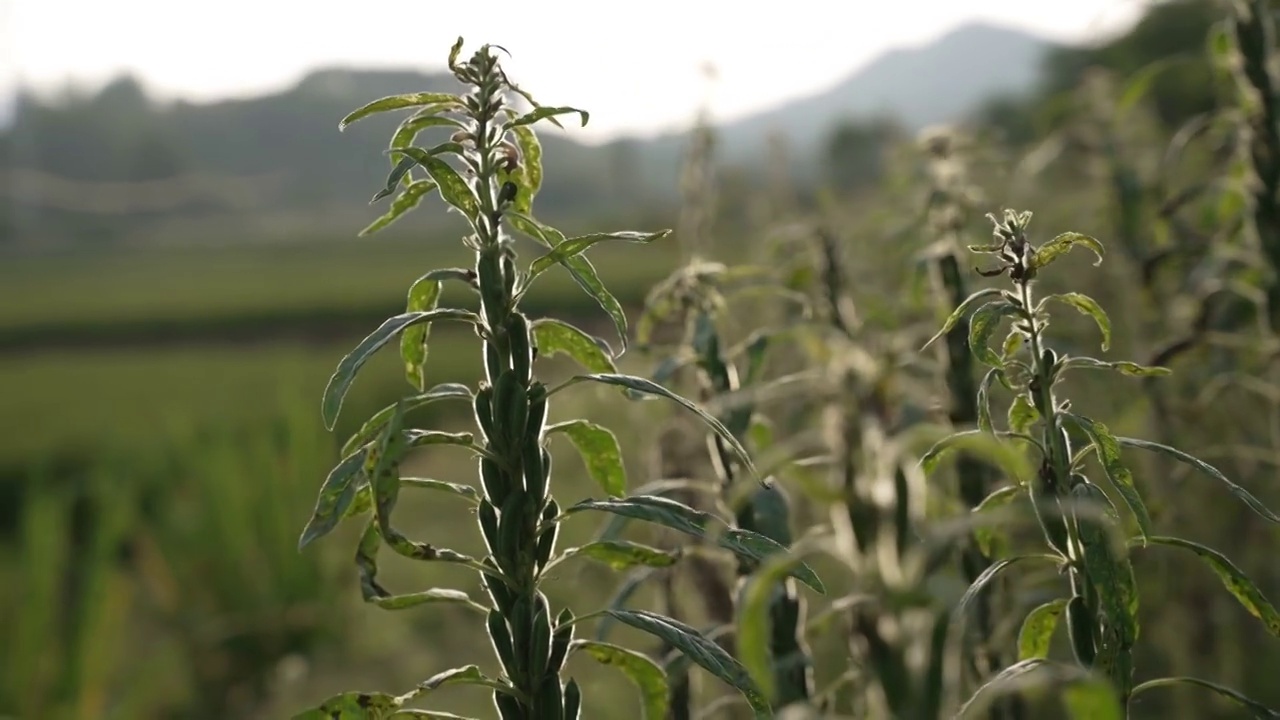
1124 366
1113 464
961 310
553 337
647 676
1258 709
983 325
466 675
1254 503
407 200
336 495
542 113
342 378
1087 306
648 387
624 554
354 706
369 431
705 653
399 102
991 540
453 188
1061 245
424 294
984 399
1037 629
1233 579
1022 414
575 246
681 517
599 450
464 491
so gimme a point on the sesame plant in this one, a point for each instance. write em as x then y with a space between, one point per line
1085 539
489 172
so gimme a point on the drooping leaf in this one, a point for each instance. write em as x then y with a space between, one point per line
753 625
463 491
434 595
1022 414
399 173
1037 629
372 426
542 113
984 399
1258 709
1233 579
648 677
991 540
984 579
342 378
1061 245
1084 696
981 445
424 294
575 246
706 654
983 325
399 102
1087 306
466 675
961 310
407 200
1254 503
1113 464
599 450
553 337
1124 366
648 387
336 495
624 554
528 175
678 516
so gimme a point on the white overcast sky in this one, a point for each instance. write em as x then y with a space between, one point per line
635 66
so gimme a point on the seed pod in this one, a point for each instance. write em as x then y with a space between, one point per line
488 524
508 707
547 540
510 533
504 403
521 355
496 485
516 413
520 621
560 640
483 405
539 644
509 273
493 299
494 363
507 193
550 698
500 635
536 465
498 590
537 412
1081 627
572 700
1049 361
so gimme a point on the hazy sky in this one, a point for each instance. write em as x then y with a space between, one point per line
635 66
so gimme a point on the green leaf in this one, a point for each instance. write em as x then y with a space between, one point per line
407 200
984 399
961 310
1117 472
577 245
981 445
1254 503
580 269
553 337
542 113
981 582
424 294
1061 245
983 325
624 554
466 675
992 541
369 431
1123 366
336 495
678 516
342 378
1087 306
453 188
354 706
1037 629
1233 579
639 669
693 645
528 175
463 491
1084 696
599 450
399 172
648 387
434 595
1258 709
407 131
1022 414
399 102
754 625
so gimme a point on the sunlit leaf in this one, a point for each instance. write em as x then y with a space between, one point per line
1037 629
372 426
1118 473
1254 503
639 668
575 246
407 200
1061 245
599 450
553 337
624 554
336 495
1233 579
399 102
961 310
1123 366
1087 306
992 541
542 113
424 294
983 324
1258 709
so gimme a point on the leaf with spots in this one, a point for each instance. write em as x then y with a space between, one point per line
1038 628
647 676
553 337
1233 579
1113 464
599 450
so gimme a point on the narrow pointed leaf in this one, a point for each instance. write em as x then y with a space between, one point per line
697 648
1233 579
624 554
980 583
981 445
453 188
678 516
1061 245
466 675
342 378
992 540
984 399
961 310
407 200
354 706
1254 503
1124 366
399 102
1118 473
336 495
1258 709
553 337
544 112
1088 306
528 175
599 450
399 172
407 131
424 295
434 595
463 491
647 676
577 245
983 324
369 431
754 629
1037 629
648 387
1022 414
